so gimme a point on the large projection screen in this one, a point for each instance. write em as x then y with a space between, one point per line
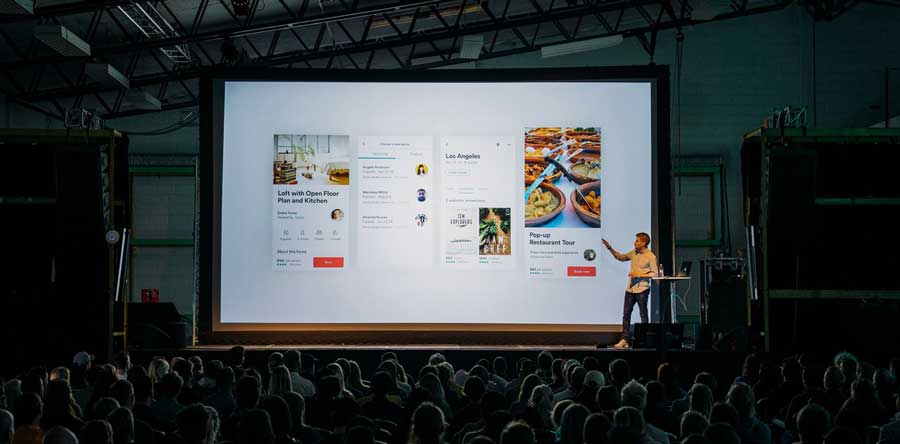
401 201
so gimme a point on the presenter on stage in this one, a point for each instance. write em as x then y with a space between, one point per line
643 267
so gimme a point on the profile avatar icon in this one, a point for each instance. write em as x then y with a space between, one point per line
337 214
420 193
420 220
590 255
421 169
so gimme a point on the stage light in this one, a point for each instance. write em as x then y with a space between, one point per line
106 75
581 46
241 7
62 41
17 7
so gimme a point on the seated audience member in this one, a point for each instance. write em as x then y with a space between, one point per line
427 425
159 367
539 413
608 400
596 429
750 429
122 362
80 381
657 412
7 426
193 424
122 423
246 395
222 399
587 397
619 373
700 399
28 418
890 432
520 405
517 432
299 430
557 413
215 425
667 375
635 395
722 433
187 395
97 431
102 408
632 419
493 427
355 381
813 422
833 398
123 392
58 407
279 381
863 403
143 399
166 406
378 405
724 412
571 430
255 428
810 393
280 416
490 402
692 423
299 384
60 435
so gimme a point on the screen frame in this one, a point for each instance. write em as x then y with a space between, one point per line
211 142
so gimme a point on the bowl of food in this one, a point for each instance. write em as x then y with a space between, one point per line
588 209
544 204
585 171
534 168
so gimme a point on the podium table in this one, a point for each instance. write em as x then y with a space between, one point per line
671 280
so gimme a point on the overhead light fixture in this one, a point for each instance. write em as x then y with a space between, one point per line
241 7
17 7
61 40
154 26
106 75
141 100
471 47
581 46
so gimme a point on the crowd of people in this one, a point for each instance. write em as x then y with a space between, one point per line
545 400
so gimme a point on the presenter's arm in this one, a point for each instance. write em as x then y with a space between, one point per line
616 254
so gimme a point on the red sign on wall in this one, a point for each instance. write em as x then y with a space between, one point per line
149 295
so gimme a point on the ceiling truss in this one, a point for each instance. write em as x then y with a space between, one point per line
347 34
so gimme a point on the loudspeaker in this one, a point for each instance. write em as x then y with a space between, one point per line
647 335
155 326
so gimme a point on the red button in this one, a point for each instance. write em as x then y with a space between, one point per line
582 271
328 262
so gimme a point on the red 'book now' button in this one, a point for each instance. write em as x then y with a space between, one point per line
328 262
582 271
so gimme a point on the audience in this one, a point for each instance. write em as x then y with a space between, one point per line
547 401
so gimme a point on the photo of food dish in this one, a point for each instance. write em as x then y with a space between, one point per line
567 160
311 160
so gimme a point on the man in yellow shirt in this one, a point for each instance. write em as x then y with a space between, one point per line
643 267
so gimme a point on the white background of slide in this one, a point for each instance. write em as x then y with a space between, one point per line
252 293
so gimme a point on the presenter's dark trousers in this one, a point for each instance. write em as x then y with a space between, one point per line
630 299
